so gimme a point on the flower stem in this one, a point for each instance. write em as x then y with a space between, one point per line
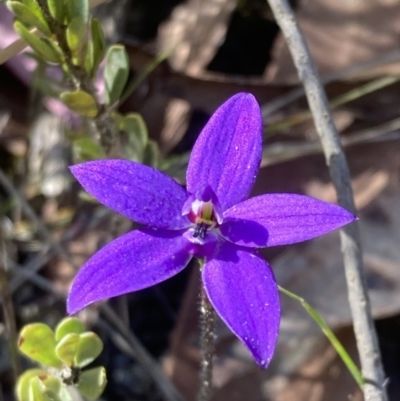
207 326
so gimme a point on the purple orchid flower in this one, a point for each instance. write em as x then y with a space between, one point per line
210 220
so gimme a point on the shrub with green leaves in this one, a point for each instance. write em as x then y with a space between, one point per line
62 354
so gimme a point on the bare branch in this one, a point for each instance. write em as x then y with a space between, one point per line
364 328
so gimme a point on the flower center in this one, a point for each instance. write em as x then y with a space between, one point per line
202 214
203 210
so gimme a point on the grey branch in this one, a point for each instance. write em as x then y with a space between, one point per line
364 328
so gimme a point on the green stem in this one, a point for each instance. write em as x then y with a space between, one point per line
346 358
148 69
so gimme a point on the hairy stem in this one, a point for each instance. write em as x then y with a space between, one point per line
207 326
364 328
102 123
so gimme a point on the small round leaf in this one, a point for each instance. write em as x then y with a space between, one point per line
86 148
92 383
69 325
67 348
39 392
81 102
90 347
51 383
37 342
23 384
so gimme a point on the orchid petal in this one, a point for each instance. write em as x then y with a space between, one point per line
281 219
227 154
136 260
243 291
138 192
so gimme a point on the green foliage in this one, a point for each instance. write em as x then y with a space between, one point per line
30 16
86 148
57 10
43 47
76 38
86 49
38 391
89 348
23 385
77 8
151 154
134 127
67 326
69 349
116 73
96 48
80 102
92 383
37 341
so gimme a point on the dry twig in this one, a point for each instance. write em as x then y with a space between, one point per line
364 328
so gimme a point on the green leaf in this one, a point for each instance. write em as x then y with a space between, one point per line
81 102
67 348
141 76
29 17
346 358
92 383
76 37
134 135
57 9
41 46
67 326
39 392
134 125
96 48
51 383
116 73
85 149
151 154
37 341
90 347
65 395
23 384
77 8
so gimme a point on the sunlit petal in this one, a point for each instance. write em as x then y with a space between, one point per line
280 219
136 260
138 192
242 288
227 153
